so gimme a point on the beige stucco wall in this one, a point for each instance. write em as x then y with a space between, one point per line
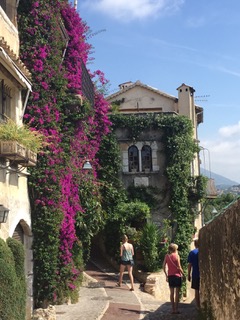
14 196
141 98
9 32
186 105
13 185
219 259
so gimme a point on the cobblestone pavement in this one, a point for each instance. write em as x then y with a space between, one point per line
100 299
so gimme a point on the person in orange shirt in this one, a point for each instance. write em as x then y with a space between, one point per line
174 272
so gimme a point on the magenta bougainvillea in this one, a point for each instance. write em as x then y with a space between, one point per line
73 135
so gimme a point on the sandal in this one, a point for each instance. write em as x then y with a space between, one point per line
118 284
132 289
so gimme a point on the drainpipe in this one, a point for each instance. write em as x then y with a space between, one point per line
25 103
2 86
64 52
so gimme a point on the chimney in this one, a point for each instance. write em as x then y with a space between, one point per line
125 85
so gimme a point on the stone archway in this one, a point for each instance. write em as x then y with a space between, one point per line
18 233
23 234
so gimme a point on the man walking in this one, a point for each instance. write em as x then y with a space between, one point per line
193 271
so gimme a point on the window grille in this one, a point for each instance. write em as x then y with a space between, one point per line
146 157
5 100
133 159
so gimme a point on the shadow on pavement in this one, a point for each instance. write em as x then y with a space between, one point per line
187 312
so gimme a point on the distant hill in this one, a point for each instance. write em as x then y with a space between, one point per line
220 181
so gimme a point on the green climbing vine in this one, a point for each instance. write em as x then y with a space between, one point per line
180 150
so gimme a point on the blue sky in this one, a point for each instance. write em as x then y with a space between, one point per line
164 43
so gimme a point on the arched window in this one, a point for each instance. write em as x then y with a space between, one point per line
18 233
133 159
146 156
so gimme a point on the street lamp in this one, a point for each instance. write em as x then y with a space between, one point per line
214 212
211 191
87 165
209 160
3 214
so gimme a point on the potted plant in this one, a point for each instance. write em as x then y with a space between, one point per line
19 143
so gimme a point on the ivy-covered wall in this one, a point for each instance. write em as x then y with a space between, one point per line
58 186
180 149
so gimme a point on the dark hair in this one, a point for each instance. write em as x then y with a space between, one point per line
196 243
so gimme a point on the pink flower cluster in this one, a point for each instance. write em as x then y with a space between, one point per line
61 168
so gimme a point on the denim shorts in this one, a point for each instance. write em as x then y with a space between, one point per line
125 263
174 281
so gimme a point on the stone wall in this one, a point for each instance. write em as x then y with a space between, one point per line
45 314
219 260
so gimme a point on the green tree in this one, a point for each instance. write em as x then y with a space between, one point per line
213 207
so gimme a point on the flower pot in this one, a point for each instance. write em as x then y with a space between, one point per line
13 150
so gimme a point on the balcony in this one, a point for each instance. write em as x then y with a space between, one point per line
13 151
18 154
19 144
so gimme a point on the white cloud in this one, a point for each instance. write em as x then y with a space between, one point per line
228 71
127 10
222 155
230 131
164 43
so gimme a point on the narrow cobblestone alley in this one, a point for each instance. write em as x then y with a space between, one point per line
101 299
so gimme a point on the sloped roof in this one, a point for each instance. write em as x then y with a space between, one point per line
140 84
5 47
186 85
16 72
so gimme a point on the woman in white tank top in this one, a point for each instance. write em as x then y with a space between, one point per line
126 254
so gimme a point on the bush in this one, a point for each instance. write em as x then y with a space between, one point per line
12 281
19 255
149 194
127 216
149 243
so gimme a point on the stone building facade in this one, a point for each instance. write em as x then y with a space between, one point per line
143 161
